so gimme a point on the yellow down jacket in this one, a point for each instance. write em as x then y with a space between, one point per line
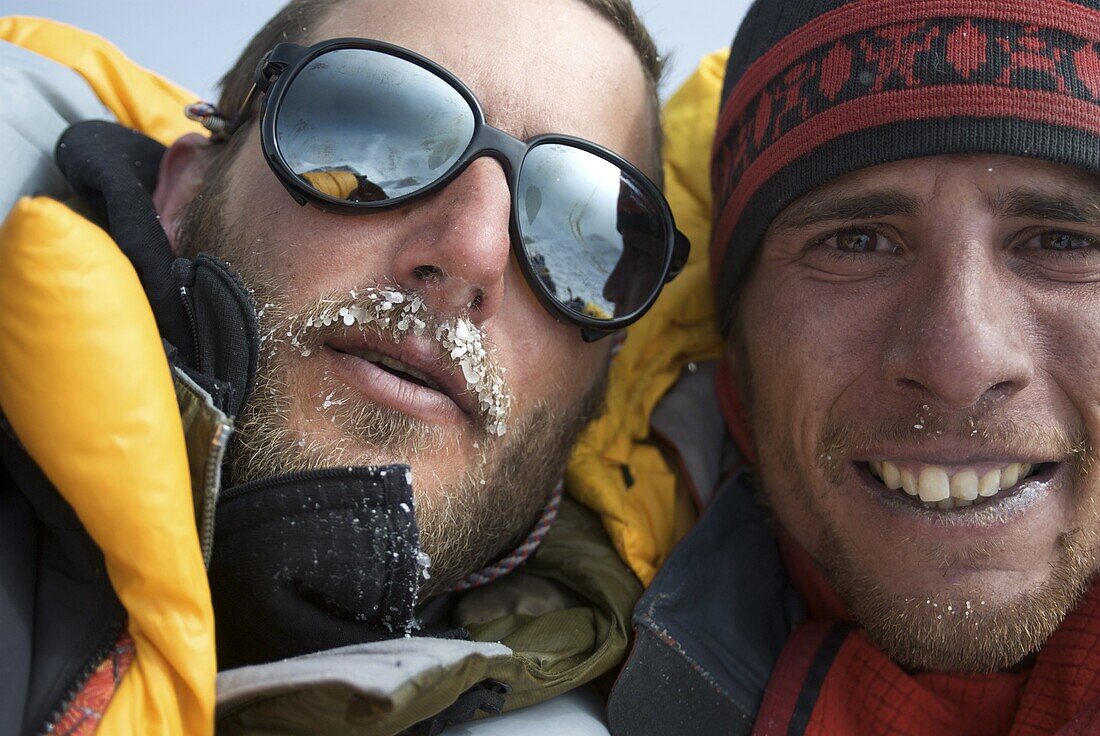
62 346
646 518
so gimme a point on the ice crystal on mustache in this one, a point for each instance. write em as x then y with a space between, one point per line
400 314
462 339
379 309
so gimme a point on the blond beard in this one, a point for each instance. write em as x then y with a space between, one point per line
464 525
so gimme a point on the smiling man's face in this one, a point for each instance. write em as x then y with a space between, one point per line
920 344
369 319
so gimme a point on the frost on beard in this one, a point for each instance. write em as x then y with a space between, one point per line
400 314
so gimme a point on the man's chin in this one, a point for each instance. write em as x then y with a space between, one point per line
476 495
465 510
973 623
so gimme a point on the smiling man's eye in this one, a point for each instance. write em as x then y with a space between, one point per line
1061 254
859 241
1064 241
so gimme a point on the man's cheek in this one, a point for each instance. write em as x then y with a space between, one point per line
553 365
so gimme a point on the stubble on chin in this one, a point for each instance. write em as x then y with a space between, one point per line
962 632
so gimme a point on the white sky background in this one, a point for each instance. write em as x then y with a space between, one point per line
193 43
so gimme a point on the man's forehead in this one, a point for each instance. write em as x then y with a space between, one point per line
1001 183
536 66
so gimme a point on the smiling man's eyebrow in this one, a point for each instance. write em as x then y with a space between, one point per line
1038 204
845 207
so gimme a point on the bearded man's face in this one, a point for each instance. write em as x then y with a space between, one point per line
410 335
920 346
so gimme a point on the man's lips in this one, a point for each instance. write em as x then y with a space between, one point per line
412 376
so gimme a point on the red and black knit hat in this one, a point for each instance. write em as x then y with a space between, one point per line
818 88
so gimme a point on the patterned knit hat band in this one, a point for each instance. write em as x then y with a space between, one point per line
868 82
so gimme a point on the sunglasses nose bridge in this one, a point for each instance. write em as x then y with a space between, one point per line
505 149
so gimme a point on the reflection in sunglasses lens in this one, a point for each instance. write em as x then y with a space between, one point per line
592 235
365 126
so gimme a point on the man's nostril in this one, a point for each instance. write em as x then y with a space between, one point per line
427 273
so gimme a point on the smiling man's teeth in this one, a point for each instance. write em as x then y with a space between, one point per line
964 485
933 485
396 365
942 488
909 482
890 476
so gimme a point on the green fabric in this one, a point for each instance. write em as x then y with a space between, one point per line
558 651
206 431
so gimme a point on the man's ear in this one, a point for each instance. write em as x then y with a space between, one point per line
182 176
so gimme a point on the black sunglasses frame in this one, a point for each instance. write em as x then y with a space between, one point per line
278 69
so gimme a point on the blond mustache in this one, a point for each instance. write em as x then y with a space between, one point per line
397 314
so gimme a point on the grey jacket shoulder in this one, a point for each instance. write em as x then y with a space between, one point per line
39 99
688 420
710 628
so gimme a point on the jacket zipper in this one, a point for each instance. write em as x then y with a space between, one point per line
107 643
217 449
194 325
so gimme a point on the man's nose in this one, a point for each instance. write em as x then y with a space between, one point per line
959 339
457 252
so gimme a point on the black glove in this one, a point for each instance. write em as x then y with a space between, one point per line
203 311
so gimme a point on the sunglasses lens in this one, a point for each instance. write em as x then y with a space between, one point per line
364 126
592 234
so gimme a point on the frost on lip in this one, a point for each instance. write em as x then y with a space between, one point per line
398 314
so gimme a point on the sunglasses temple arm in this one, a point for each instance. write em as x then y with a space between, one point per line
238 120
222 127
681 249
261 81
590 334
